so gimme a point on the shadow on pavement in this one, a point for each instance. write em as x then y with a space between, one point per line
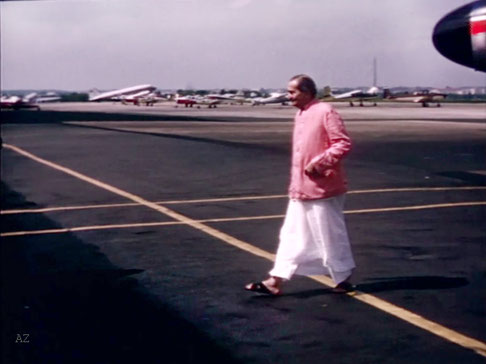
63 301
470 177
55 117
390 284
409 283
58 117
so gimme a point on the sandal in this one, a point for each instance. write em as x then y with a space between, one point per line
259 287
343 287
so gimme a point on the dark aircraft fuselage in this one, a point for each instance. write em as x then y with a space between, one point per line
461 35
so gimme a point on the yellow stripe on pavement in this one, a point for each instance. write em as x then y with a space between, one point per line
418 207
128 226
231 199
231 219
408 316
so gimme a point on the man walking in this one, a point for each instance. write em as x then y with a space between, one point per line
313 238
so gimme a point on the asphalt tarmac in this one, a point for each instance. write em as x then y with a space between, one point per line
128 234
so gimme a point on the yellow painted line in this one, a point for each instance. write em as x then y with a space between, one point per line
231 199
453 336
224 199
408 316
418 207
87 207
418 189
164 210
128 226
230 219
362 211
66 208
87 228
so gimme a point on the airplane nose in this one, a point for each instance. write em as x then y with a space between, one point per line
454 38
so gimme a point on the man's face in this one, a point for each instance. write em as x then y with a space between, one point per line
297 98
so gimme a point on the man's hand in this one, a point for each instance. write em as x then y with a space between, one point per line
311 171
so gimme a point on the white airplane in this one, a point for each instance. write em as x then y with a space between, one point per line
17 102
274 98
191 100
96 95
423 97
154 97
134 98
49 97
228 98
354 95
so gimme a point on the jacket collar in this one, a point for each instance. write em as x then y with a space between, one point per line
306 107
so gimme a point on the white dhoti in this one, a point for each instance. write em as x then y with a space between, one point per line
314 241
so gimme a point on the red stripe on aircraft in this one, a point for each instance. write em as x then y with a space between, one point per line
478 26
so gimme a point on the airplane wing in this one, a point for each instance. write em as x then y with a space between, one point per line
120 92
421 99
347 95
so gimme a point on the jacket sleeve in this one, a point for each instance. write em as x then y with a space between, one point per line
339 143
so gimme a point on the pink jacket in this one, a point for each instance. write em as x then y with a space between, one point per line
320 139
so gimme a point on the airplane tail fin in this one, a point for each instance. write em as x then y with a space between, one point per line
93 93
327 92
31 98
373 90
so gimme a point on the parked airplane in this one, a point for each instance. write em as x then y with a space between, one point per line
274 98
134 98
461 35
17 103
153 98
190 101
355 95
96 95
424 97
48 97
228 98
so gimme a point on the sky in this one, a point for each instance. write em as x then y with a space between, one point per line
78 45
